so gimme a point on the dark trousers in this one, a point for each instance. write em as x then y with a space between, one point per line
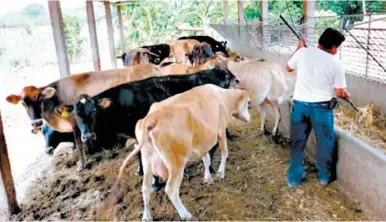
319 117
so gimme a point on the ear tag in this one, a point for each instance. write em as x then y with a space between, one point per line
65 114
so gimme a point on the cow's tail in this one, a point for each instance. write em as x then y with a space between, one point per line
147 125
117 192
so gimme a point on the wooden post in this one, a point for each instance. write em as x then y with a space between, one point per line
240 7
226 11
121 34
93 35
110 33
60 42
264 21
308 13
6 174
264 11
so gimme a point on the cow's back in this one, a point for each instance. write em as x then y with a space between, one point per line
92 83
198 114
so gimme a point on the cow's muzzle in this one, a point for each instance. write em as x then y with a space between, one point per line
37 123
88 136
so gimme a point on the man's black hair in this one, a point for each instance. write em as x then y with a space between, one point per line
331 37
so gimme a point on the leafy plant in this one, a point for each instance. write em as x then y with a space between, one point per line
74 41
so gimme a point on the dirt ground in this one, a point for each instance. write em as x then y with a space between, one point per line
254 188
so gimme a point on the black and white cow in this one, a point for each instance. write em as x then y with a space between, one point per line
214 44
153 54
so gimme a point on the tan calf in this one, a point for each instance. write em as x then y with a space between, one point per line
265 81
180 49
182 128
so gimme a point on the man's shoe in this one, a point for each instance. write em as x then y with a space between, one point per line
293 184
323 183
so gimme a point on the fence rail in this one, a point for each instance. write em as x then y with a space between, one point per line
276 38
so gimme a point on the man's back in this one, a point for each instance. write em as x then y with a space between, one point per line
318 73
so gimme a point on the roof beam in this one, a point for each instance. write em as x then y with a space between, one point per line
60 42
110 33
226 11
93 35
121 33
240 7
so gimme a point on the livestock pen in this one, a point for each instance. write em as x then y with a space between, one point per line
255 186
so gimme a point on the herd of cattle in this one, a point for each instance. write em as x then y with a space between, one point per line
176 99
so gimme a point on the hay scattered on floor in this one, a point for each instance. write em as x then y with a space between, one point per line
254 188
368 124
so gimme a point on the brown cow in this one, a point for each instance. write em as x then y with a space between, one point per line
181 49
40 102
183 127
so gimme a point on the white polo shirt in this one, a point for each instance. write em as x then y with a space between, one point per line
318 73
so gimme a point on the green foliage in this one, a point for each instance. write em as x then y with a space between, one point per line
287 8
33 10
375 6
74 41
341 7
252 10
152 22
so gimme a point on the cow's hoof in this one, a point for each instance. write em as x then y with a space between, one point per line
211 170
220 175
231 136
82 167
208 180
266 132
49 150
275 138
157 186
139 173
15 209
187 216
147 218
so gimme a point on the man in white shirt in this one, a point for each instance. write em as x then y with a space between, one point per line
319 76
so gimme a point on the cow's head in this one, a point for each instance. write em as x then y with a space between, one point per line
201 53
85 112
33 99
138 56
241 106
230 79
221 47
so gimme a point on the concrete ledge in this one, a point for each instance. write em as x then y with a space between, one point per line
360 167
361 170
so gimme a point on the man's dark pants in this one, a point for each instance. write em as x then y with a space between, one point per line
319 117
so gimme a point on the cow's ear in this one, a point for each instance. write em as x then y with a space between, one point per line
48 92
14 99
104 103
137 58
64 110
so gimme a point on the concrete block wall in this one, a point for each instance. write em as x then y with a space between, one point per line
360 167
